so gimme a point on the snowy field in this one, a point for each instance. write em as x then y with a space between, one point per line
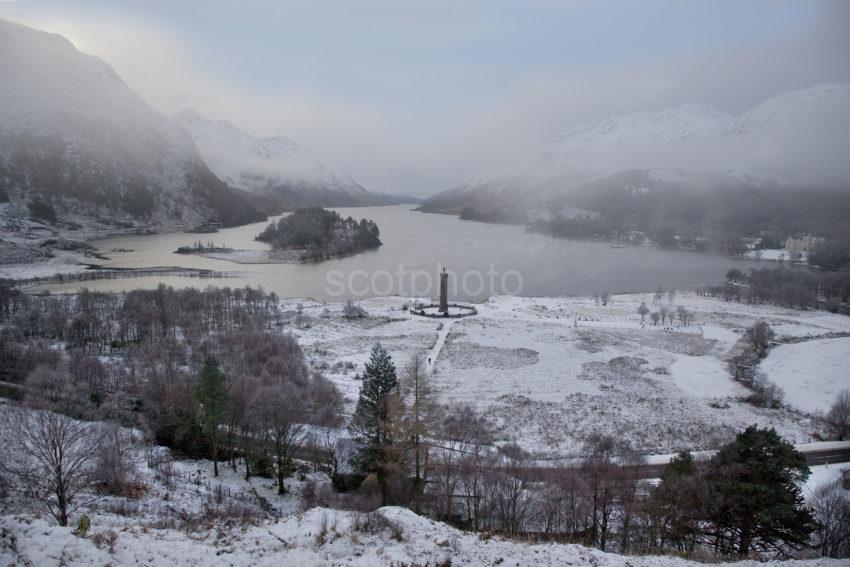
811 373
550 371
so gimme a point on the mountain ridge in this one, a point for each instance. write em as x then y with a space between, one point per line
275 167
794 137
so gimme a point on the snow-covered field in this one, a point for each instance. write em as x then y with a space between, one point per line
550 371
812 373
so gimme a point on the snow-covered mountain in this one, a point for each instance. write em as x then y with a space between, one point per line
798 137
77 140
275 167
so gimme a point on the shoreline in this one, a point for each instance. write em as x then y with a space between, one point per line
94 272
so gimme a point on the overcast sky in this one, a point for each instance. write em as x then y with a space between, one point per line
414 97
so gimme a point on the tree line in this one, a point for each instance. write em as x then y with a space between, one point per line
796 288
716 218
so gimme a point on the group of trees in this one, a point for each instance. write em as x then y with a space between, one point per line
199 247
664 312
753 348
833 254
206 373
391 428
787 287
321 233
745 499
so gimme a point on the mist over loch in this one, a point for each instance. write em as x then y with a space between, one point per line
425 284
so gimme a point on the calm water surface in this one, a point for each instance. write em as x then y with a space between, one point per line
480 256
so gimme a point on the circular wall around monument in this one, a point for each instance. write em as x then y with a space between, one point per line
456 311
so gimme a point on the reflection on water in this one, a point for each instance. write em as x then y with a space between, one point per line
415 246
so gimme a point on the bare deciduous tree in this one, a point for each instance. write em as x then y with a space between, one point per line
115 468
759 336
832 511
643 311
838 418
420 419
54 457
281 408
603 479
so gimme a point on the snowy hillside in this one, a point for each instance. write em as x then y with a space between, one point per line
74 136
796 137
392 536
275 166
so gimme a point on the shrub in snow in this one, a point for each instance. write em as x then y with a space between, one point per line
353 311
765 394
115 472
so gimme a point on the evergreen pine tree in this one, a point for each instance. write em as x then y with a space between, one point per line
755 494
373 422
212 396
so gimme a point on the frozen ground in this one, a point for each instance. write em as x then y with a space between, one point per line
812 373
550 371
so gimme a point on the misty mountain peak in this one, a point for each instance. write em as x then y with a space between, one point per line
71 130
796 137
274 166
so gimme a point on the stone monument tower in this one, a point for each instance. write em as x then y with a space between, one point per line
444 291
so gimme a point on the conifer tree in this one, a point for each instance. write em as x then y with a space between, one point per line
374 419
756 501
212 397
